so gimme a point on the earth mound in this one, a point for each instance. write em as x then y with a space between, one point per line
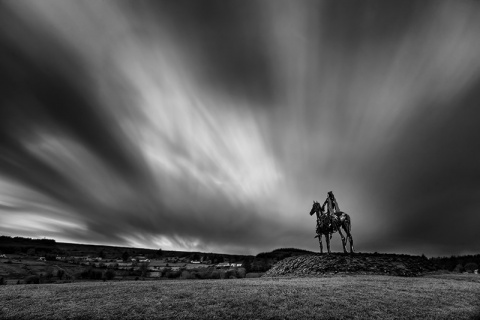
358 263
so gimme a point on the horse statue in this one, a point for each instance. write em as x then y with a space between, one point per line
329 223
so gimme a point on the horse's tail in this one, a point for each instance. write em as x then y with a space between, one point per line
348 223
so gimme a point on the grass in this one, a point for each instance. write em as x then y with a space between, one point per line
340 297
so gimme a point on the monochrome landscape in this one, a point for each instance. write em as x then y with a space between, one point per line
159 159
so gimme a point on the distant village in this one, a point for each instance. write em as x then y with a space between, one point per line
25 260
155 267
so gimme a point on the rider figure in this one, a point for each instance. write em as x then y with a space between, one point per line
332 203
332 206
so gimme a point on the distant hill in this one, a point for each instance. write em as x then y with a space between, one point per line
49 247
260 263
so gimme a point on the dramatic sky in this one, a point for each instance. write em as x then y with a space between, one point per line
213 125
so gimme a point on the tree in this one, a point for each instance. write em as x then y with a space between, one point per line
471 266
109 274
247 264
159 252
125 256
459 268
143 267
196 257
60 273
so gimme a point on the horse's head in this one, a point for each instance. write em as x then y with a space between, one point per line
315 208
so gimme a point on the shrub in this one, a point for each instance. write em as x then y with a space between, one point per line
109 274
49 274
215 274
91 274
172 274
187 275
32 280
50 257
471 266
60 273
459 268
253 275
231 274
241 272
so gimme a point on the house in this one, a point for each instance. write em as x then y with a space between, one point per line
77 259
124 265
157 265
235 265
195 266
144 260
174 259
223 265
42 259
140 258
194 261
3 256
475 271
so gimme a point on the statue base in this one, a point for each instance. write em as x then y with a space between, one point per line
357 263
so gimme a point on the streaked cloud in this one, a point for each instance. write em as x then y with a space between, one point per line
212 127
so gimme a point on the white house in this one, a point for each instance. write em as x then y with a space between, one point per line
223 265
125 265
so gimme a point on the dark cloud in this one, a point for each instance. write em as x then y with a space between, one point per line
44 87
213 125
226 39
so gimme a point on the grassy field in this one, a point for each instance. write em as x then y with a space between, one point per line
339 297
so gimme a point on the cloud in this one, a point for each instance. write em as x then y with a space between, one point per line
213 127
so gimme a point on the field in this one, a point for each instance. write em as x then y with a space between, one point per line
337 297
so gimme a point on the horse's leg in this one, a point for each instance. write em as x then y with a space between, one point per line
351 242
347 229
327 239
344 241
320 242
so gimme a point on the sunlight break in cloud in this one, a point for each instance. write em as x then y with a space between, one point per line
202 126
205 141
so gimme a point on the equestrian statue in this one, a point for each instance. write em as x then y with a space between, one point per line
331 221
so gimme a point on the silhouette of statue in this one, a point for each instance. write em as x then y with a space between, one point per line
331 221
332 203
